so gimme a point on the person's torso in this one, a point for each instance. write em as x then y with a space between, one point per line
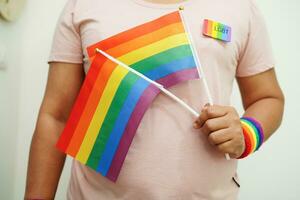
168 159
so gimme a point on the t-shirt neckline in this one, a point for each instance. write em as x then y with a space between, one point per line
162 6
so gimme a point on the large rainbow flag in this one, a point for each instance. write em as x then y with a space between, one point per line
113 100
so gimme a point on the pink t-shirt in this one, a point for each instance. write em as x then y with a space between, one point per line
168 159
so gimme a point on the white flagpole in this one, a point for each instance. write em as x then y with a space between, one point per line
198 63
159 86
195 54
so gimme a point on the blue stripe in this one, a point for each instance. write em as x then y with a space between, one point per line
129 105
120 125
174 66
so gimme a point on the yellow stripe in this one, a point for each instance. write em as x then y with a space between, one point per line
214 32
146 39
111 87
154 48
98 118
253 135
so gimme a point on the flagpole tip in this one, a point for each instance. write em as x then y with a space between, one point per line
181 8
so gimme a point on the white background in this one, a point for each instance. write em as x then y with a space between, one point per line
271 174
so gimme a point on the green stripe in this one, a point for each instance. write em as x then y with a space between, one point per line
255 130
111 117
165 57
123 90
220 34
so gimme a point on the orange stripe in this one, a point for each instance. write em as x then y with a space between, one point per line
209 27
250 134
126 41
134 33
77 109
144 40
117 51
147 39
91 105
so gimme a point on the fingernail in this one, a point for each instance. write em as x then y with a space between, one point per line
207 104
205 107
195 125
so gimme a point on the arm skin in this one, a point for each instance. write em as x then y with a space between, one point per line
262 99
45 161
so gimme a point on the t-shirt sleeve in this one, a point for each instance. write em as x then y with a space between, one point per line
257 55
66 45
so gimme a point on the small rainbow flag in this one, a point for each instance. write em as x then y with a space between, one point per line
113 100
217 30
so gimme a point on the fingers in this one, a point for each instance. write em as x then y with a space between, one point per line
233 147
219 137
209 112
228 140
214 124
228 147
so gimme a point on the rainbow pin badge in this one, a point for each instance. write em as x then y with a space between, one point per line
217 30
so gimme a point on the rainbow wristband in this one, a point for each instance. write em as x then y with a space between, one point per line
253 135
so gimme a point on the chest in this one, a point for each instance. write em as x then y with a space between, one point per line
98 22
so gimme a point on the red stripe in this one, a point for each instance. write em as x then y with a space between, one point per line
248 145
79 104
95 67
205 27
88 113
134 33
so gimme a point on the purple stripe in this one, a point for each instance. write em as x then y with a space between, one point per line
144 102
259 128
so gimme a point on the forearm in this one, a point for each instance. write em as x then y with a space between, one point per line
45 161
268 111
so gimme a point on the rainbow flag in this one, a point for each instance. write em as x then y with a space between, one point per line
113 100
